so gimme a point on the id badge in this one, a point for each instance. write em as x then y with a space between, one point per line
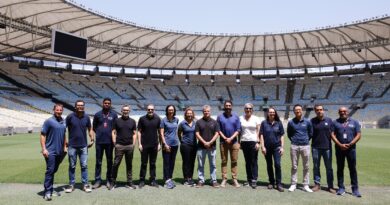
105 124
345 135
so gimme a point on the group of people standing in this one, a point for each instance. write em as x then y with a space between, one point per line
196 139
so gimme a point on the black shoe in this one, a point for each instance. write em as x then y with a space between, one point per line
191 183
141 184
112 186
154 184
280 188
47 197
253 185
130 185
96 185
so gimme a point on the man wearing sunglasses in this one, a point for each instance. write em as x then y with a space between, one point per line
148 144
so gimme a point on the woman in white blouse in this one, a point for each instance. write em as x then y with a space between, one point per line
250 143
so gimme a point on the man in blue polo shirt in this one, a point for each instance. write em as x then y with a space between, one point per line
102 126
53 144
321 146
299 131
230 127
78 123
346 134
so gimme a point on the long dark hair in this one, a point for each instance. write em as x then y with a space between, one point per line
277 118
174 110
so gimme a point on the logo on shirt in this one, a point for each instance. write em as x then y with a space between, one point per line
110 118
351 125
303 124
326 123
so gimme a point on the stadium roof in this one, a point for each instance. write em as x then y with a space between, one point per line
25 30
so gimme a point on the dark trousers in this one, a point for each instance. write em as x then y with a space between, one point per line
100 150
327 155
188 154
120 151
169 159
273 153
52 164
250 155
350 154
148 153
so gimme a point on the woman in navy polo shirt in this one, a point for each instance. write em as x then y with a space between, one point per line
271 139
170 143
186 133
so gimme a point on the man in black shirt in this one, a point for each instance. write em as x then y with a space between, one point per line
206 131
123 137
148 142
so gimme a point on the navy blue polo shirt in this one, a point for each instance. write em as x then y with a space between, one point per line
188 131
102 126
299 131
54 129
322 130
170 131
346 130
77 128
272 133
228 126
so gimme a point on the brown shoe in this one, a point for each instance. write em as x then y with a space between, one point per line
280 188
270 186
236 184
316 187
332 191
215 184
200 184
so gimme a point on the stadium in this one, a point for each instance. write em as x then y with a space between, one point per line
345 65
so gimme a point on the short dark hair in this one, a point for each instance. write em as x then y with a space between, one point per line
174 110
228 101
297 105
77 101
107 99
318 105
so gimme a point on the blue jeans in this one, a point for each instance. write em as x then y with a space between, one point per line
327 155
211 153
100 150
52 164
83 155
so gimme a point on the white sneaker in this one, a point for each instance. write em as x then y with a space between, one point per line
292 188
307 188
87 188
223 183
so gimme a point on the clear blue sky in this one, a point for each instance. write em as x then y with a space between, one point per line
240 16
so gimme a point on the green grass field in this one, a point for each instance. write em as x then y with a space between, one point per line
21 163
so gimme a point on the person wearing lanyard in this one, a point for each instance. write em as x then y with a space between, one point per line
321 146
230 128
170 144
186 133
53 144
272 143
250 144
299 131
346 134
102 126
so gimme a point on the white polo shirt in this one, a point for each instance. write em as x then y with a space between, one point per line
248 128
